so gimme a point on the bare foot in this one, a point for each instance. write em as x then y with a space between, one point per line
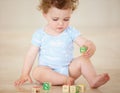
70 81
100 80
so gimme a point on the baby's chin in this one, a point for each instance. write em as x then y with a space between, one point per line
60 30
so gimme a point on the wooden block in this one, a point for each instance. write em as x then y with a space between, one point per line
82 88
35 90
65 88
83 49
73 89
46 86
77 89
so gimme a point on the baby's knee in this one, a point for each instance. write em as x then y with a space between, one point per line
83 59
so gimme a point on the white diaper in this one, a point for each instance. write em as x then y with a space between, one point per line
62 70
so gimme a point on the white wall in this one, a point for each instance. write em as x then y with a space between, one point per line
91 13
99 13
95 19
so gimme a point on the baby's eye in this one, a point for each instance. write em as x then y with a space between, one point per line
55 19
66 19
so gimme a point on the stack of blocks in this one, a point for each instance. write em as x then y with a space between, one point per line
73 89
65 88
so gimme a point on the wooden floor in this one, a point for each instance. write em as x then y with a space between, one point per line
15 42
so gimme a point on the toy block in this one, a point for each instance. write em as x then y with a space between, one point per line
35 90
83 49
82 88
46 86
77 89
73 89
65 88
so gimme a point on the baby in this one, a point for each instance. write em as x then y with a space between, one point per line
54 44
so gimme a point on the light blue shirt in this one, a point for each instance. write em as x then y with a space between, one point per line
55 51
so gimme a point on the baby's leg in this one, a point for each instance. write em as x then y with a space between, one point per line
45 74
82 65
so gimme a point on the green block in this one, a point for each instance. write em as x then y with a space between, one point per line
83 49
77 89
46 86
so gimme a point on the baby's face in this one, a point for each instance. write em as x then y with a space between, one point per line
58 19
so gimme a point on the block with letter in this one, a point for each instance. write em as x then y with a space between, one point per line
82 88
35 90
73 89
46 86
65 88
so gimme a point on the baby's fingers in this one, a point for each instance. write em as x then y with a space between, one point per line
19 82
87 53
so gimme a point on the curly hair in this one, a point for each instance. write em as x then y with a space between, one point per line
45 5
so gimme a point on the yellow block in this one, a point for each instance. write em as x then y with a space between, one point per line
82 88
73 89
35 90
65 88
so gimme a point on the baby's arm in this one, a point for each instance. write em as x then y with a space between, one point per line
29 60
82 41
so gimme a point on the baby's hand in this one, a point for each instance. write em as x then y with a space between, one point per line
22 80
90 49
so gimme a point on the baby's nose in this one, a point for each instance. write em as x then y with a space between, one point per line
61 23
